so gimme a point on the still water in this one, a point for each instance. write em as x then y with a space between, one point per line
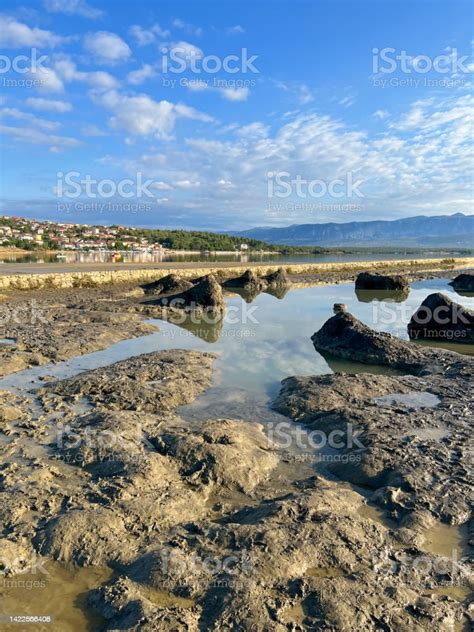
261 342
156 257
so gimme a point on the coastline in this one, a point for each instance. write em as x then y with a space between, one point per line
33 277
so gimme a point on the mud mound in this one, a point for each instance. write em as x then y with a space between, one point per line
370 281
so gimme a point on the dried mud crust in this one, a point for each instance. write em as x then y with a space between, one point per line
415 429
52 326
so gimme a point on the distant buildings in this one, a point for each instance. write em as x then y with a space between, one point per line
21 232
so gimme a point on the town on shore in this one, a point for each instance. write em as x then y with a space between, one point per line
28 234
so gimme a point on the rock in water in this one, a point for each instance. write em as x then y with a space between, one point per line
440 318
277 279
344 336
369 281
168 284
248 281
464 282
206 295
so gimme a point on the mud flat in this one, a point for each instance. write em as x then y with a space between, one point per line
157 523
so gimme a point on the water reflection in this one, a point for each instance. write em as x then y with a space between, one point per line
278 292
259 345
160 256
203 327
338 365
464 293
248 295
394 296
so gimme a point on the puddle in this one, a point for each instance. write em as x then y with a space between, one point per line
458 593
414 400
7 341
60 593
165 600
435 434
447 540
372 512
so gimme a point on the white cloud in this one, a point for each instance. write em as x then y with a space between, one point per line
161 186
92 130
106 47
37 137
136 77
186 184
14 34
405 173
48 105
301 92
235 30
305 95
47 79
97 80
380 114
140 115
187 112
347 101
73 7
189 28
144 37
254 130
29 118
183 51
235 94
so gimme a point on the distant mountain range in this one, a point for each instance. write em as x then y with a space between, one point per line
438 231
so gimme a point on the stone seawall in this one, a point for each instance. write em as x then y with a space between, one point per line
103 277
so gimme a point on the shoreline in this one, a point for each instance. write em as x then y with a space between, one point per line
334 272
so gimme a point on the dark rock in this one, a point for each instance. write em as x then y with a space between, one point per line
440 318
277 279
339 308
464 282
248 281
206 295
370 281
168 284
346 337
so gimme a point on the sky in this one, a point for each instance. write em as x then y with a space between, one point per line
230 115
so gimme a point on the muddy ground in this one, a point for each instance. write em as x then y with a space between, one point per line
215 525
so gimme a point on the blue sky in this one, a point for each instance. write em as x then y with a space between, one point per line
347 111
